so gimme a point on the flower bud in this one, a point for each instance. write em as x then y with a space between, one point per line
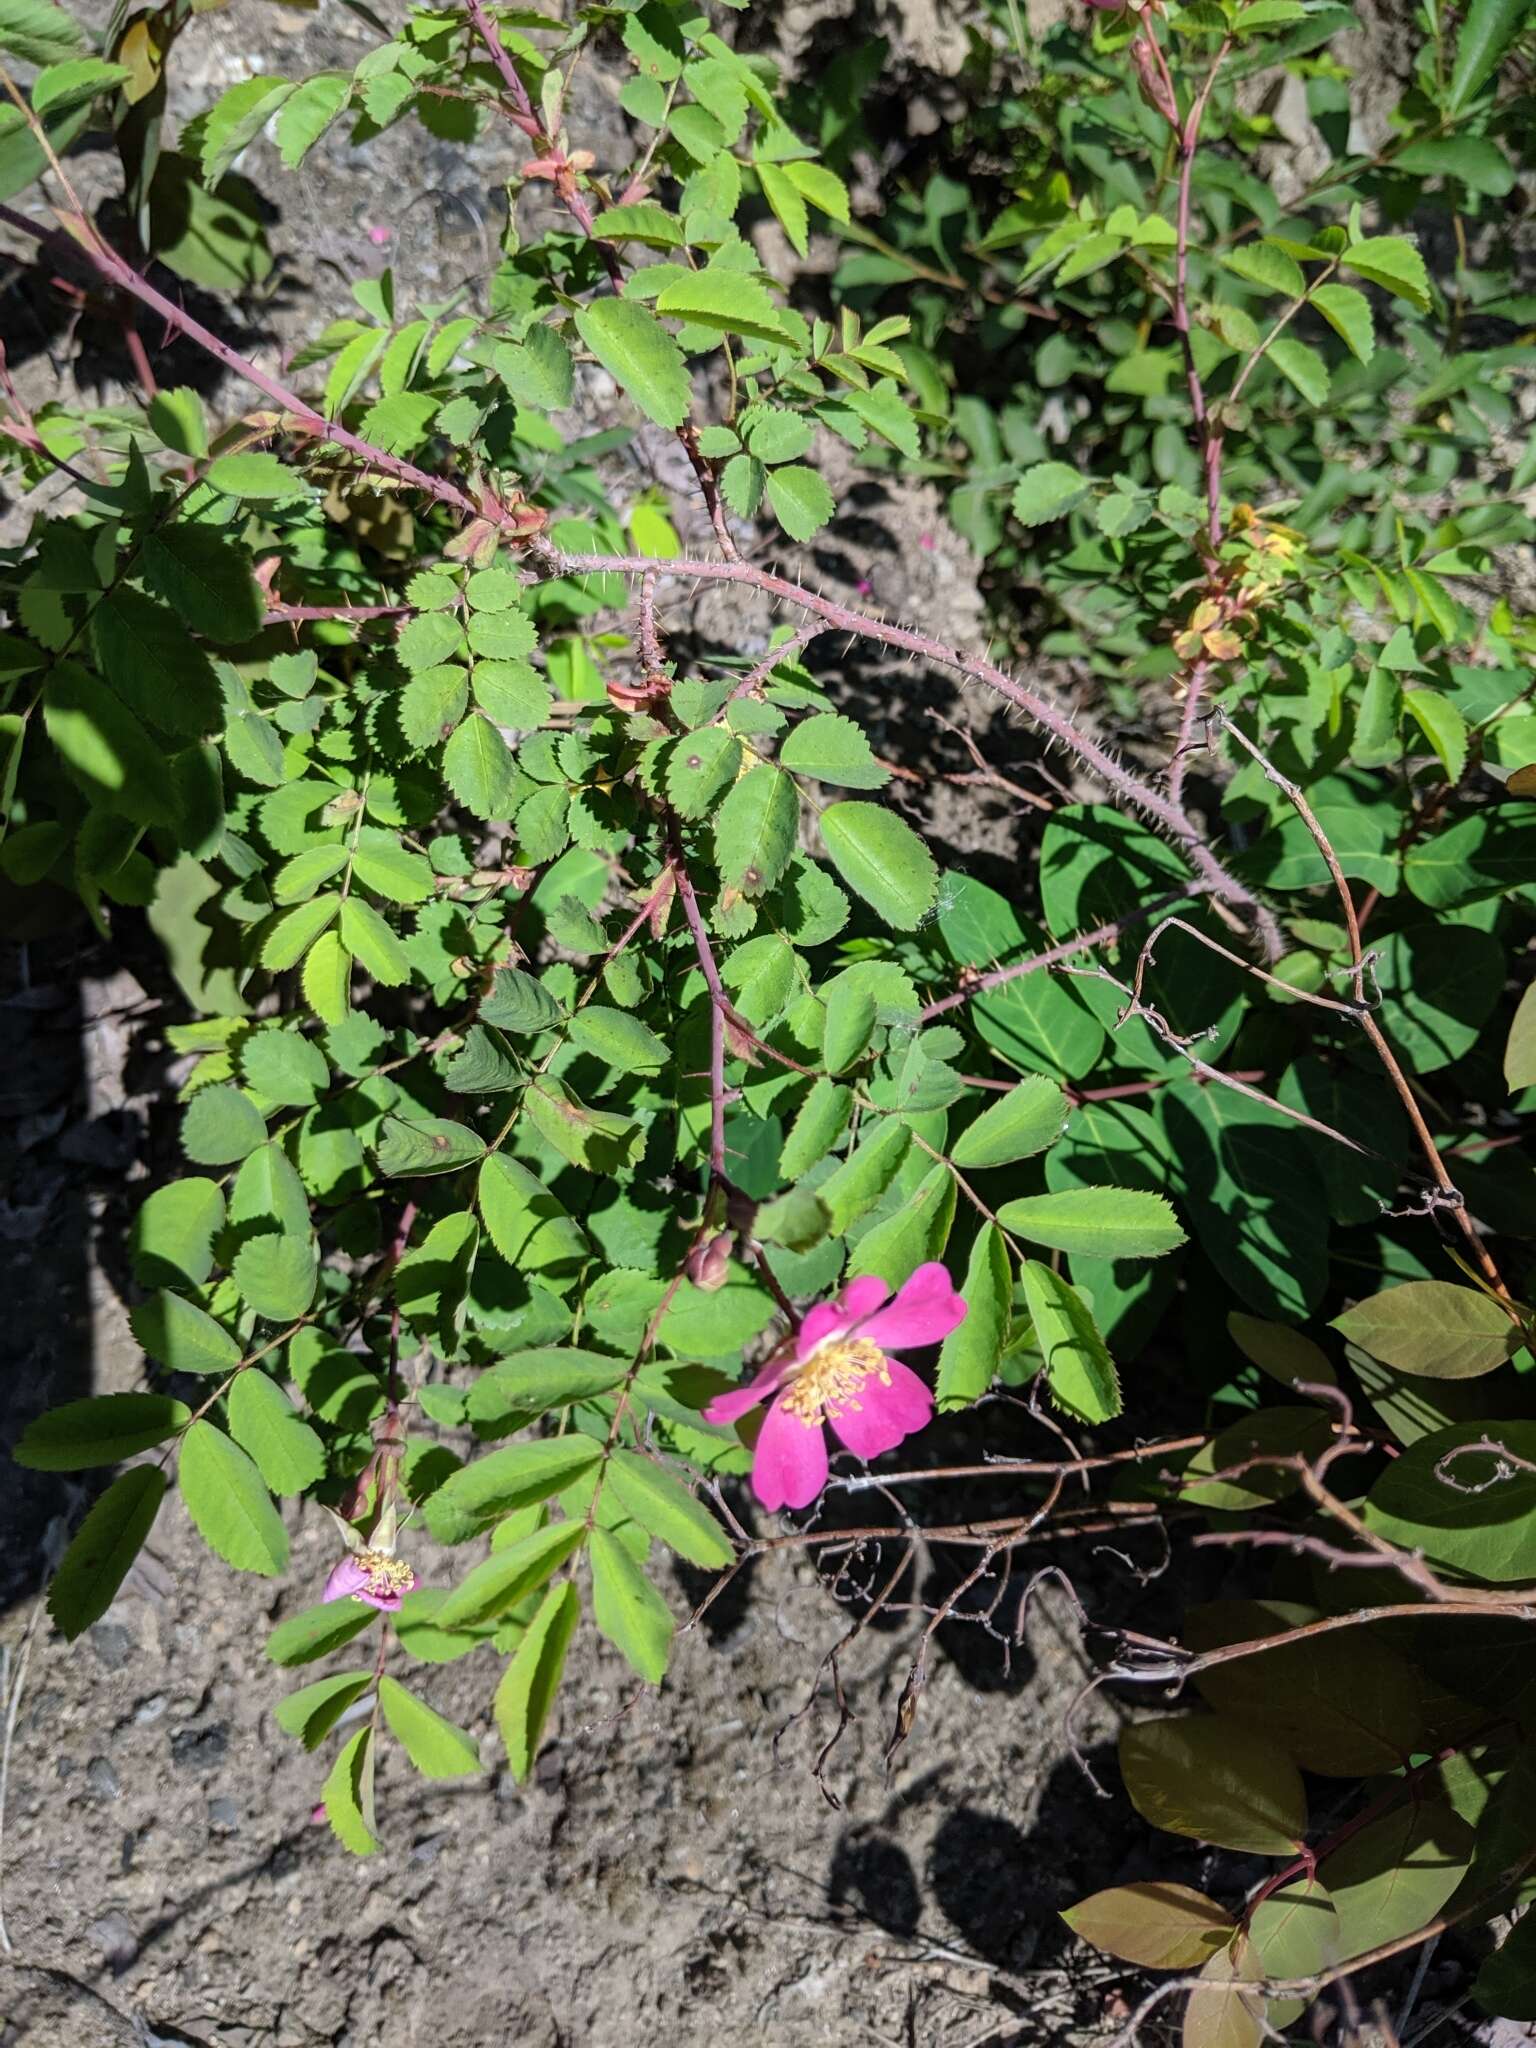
707 1265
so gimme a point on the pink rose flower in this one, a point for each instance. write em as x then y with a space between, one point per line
840 1371
372 1576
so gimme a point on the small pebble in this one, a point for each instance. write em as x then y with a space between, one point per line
113 1643
115 1939
101 1780
200 1749
223 1817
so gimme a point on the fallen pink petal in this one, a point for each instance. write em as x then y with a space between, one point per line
372 1576
841 1373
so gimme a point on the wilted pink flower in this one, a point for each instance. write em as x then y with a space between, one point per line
841 1371
379 236
372 1576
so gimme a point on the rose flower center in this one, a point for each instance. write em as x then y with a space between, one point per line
385 1574
832 1378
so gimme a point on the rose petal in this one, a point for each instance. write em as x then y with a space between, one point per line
351 1579
860 1297
924 1312
347 1577
790 1465
885 1414
730 1407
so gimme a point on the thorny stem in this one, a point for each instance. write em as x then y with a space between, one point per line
122 273
303 614
718 1006
1133 792
1101 935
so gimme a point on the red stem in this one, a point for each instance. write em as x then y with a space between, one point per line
1131 791
717 1009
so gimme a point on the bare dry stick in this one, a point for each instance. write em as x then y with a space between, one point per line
1101 935
1373 1031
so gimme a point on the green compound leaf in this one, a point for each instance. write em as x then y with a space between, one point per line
1348 313
183 1337
855 1186
480 768
1099 1222
530 1682
206 580
528 1225
700 767
276 1273
619 1040
820 1121
306 1637
313 1711
1487 30
1267 266
970 1355
723 299
288 1454
801 500
499 1483
174 1231
667 1510
1048 491
99 1431
1026 1120
882 859
755 831
434 1745
288 1071
431 1144
833 749
517 1002
509 1575
228 1500
102 1550
348 1795
155 665
1394 264
1078 1367
532 1382
639 354
628 1609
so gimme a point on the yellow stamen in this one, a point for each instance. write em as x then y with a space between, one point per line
832 1378
386 1574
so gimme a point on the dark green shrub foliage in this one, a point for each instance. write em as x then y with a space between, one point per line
588 1040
